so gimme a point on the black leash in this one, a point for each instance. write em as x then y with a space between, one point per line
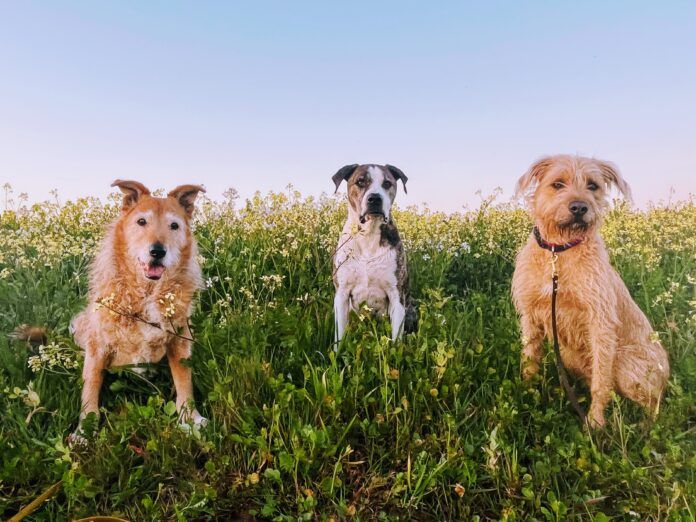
562 373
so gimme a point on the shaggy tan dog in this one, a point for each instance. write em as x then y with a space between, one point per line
604 337
142 284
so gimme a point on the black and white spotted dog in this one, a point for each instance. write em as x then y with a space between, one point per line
370 264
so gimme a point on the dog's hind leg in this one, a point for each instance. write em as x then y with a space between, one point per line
532 339
178 350
341 311
641 374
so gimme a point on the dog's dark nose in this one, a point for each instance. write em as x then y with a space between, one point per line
157 251
578 208
374 199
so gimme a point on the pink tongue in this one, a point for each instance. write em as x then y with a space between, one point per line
155 270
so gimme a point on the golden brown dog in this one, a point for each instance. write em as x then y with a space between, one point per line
604 337
142 284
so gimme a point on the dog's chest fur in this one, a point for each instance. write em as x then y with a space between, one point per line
586 295
128 340
369 268
143 342
138 342
368 279
581 273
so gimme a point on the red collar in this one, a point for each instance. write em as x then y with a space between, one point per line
553 247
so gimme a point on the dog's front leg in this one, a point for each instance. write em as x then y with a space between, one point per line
92 377
341 311
602 344
533 340
397 313
178 350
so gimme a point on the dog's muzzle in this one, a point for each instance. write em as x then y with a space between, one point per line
375 207
154 268
578 213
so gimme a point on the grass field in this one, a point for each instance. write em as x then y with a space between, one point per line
437 427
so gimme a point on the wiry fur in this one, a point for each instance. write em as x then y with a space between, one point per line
111 333
604 337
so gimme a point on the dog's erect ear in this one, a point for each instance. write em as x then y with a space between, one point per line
186 196
536 171
343 174
398 174
612 176
132 192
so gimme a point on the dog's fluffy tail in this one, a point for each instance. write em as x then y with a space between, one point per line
34 335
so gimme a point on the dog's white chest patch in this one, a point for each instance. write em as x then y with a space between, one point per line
368 280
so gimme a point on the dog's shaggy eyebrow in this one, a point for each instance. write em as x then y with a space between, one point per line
591 175
561 177
173 217
143 213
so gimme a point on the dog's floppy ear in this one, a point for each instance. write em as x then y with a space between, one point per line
398 174
343 174
186 196
536 171
612 176
132 192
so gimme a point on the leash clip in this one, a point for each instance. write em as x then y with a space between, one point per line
554 258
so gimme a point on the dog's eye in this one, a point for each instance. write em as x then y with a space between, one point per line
360 182
174 226
141 222
387 184
557 185
592 186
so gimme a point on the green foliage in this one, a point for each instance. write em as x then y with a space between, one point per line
438 426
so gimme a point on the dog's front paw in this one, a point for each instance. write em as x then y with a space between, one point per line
77 439
595 419
199 420
193 417
529 369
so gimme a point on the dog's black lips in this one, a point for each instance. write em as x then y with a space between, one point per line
372 213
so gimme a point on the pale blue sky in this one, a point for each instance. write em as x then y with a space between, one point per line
256 95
